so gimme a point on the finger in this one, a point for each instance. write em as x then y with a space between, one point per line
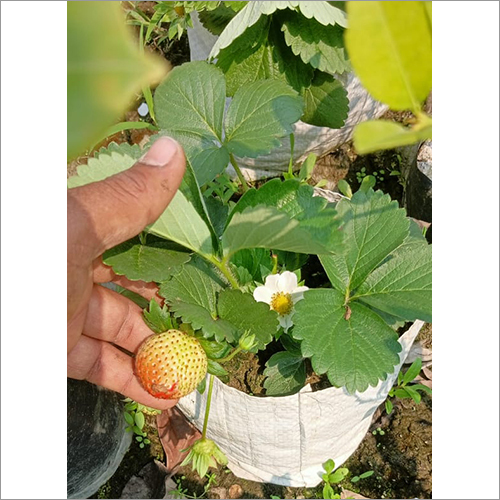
105 365
121 206
114 318
105 274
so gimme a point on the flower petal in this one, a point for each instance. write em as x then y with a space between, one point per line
298 294
285 321
263 294
287 282
272 282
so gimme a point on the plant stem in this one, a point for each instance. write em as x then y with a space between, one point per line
224 269
207 408
229 357
292 146
242 179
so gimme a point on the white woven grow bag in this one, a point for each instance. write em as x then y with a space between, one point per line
308 138
284 440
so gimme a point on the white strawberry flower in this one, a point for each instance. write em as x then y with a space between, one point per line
281 293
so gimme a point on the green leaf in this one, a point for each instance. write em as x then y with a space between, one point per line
192 295
180 222
216 369
155 261
134 297
214 350
189 106
291 261
202 386
246 18
413 371
259 54
257 261
129 419
373 227
374 135
323 12
320 46
291 345
266 227
105 71
216 20
366 474
217 212
328 491
402 286
296 200
415 395
421 387
328 466
355 352
139 420
326 102
402 393
338 475
259 115
307 167
243 312
390 46
157 318
388 408
285 374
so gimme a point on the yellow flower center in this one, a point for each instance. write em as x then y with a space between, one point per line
281 302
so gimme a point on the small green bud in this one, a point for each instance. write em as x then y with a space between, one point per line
247 342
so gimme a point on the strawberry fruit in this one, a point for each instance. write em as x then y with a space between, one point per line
170 364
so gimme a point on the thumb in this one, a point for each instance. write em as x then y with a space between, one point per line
106 213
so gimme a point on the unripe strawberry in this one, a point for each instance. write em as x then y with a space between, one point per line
170 364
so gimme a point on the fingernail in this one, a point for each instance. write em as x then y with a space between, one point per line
160 153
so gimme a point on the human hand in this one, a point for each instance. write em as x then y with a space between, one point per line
100 216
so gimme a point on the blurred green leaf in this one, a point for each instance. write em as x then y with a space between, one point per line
390 46
105 70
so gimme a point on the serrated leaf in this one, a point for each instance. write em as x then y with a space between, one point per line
155 261
105 70
374 135
255 261
192 295
320 46
402 286
246 315
323 12
217 212
373 227
390 46
157 317
259 54
296 200
259 115
180 222
189 105
266 227
290 344
246 18
285 374
326 102
357 352
216 20
413 371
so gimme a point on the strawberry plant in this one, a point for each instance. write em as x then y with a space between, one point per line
230 272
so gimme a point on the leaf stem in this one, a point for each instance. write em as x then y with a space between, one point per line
292 146
240 175
224 269
229 357
207 408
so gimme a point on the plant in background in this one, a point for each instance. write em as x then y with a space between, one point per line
404 390
390 46
332 478
134 416
365 475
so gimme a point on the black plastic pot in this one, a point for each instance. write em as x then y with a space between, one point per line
96 437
